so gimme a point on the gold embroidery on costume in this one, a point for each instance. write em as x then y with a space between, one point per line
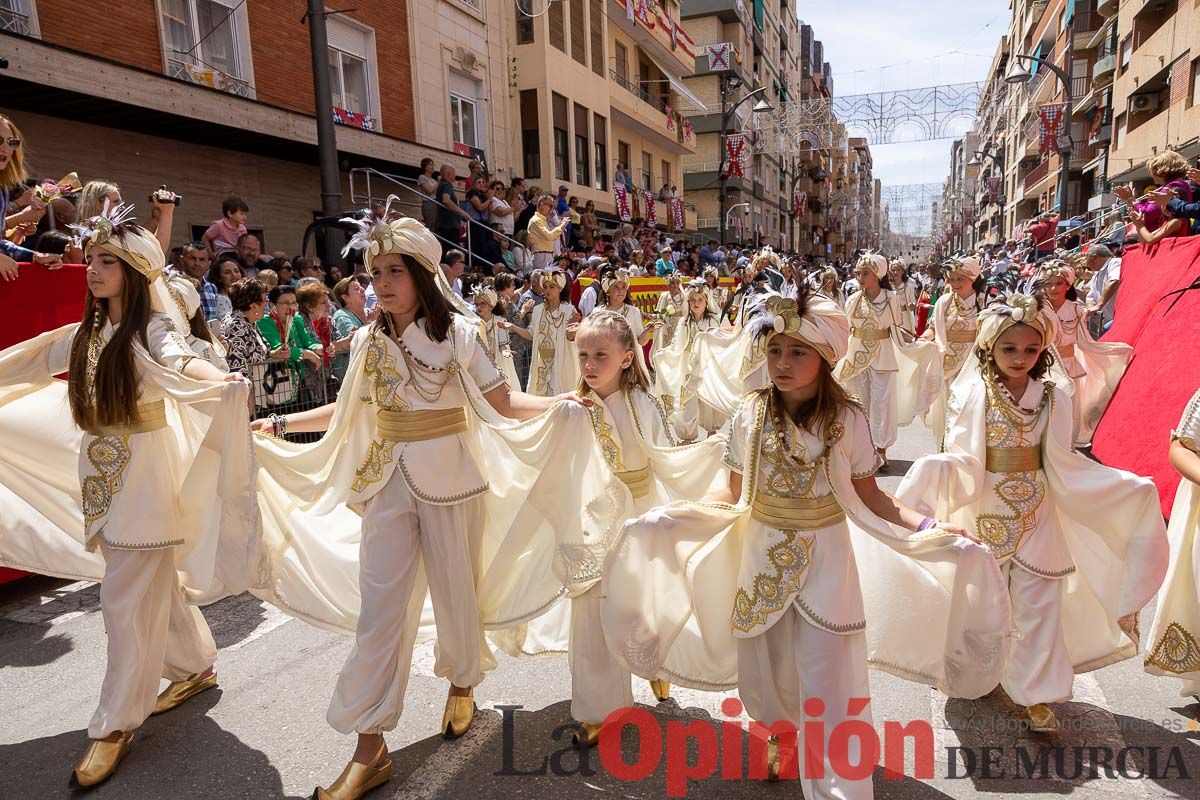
753 358
109 457
608 445
789 558
387 384
1177 651
864 348
956 352
1021 492
546 337
371 469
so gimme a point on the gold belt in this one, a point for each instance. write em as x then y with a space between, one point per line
870 334
1014 459
797 513
638 481
960 336
150 417
421 425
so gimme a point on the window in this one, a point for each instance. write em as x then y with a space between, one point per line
666 173
600 137
1121 124
352 67
621 63
623 157
16 16
524 21
207 42
557 19
462 120
647 177
1194 99
558 108
596 23
578 32
583 172
531 137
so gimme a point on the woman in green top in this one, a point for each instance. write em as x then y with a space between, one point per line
303 346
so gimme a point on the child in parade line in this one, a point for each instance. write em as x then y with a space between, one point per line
634 442
99 463
954 322
491 311
678 370
878 368
670 309
1094 367
1082 546
1174 640
767 568
552 331
421 398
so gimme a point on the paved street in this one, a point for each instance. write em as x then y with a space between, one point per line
263 733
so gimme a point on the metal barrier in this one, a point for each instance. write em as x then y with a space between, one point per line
282 387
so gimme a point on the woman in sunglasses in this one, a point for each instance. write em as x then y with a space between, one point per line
12 175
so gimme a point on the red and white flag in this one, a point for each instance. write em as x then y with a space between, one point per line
676 207
735 154
1054 119
651 212
622 199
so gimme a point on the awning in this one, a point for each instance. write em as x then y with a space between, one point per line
678 85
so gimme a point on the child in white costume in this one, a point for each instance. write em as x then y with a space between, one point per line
614 296
907 292
495 338
634 442
678 370
887 375
670 308
1094 367
1174 641
551 329
954 322
140 417
1082 546
712 279
401 447
768 568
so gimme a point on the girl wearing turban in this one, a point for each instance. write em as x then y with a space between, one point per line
953 329
1082 546
105 457
678 370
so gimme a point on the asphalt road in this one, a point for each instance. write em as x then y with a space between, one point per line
262 734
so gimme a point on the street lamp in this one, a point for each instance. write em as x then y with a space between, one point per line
1016 74
726 112
727 215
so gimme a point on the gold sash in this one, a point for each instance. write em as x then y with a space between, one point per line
871 335
638 481
960 336
1014 459
150 417
1066 350
797 513
421 425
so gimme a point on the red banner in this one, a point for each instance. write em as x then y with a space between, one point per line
735 155
799 203
622 201
688 133
676 207
1159 320
995 185
1054 127
651 211
670 118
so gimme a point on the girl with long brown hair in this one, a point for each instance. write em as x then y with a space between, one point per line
151 416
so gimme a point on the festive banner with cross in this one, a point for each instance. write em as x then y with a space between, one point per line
799 203
1054 127
622 201
735 155
718 56
670 118
676 207
688 132
651 212
995 184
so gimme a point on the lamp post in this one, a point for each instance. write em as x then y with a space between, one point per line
1018 75
726 112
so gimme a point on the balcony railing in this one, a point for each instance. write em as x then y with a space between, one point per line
1036 174
14 22
205 76
1080 87
632 87
1086 22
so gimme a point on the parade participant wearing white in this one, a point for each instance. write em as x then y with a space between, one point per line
712 279
678 370
552 331
1094 367
153 424
886 375
768 568
953 329
1173 646
400 447
634 442
828 283
907 291
614 287
197 335
494 337
670 309
1079 543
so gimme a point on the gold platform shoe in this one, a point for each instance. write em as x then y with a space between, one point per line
1042 719
456 720
773 758
100 760
179 691
357 778
661 689
588 736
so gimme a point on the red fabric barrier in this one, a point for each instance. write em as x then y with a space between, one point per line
39 300
1135 430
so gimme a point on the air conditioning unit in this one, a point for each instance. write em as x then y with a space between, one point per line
1140 103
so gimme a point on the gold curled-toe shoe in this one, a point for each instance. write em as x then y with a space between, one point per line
587 737
358 778
100 760
773 758
1042 719
180 691
661 689
456 720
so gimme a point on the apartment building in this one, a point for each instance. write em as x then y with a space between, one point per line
213 97
987 163
597 83
813 159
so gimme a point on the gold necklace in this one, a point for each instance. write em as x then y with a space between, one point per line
426 380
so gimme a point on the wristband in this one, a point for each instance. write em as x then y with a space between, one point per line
926 524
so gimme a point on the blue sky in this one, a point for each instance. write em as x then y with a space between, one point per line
888 45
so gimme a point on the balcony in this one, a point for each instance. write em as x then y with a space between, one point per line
705 175
650 28
1103 70
1083 25
212 78
1107 8
724 10
635 106
15 22
1036 176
